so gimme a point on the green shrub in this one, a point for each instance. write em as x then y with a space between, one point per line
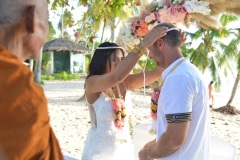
76 76
50 77
58 76
65 76
44 77
62 76
42 82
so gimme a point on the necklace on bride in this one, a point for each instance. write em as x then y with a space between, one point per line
118 108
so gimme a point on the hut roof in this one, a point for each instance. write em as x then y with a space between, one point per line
62 44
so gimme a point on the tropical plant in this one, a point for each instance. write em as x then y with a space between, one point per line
212 53
46 61
234 54
105 12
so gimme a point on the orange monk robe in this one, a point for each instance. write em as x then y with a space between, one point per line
25 132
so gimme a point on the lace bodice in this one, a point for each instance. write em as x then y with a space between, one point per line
104 113
104 141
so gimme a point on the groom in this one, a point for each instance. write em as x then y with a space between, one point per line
182 115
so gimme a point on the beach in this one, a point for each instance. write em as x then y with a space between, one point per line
70 118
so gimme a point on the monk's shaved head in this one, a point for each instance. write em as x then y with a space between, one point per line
23 27
12 11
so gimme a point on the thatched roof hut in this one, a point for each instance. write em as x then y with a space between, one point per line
62 44
66 56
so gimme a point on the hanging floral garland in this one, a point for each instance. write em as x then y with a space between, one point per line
119 112
154 103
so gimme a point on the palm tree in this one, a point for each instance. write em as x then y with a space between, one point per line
106 12
211 53
234 54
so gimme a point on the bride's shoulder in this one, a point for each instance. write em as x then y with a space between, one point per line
92 97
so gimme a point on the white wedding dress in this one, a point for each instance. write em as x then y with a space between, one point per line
104 141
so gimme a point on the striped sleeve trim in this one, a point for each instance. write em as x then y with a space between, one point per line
178 117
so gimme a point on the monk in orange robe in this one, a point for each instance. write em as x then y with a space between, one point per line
25 132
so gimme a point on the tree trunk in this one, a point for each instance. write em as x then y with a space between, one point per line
37 69
62 22
104 25
234 89
112 30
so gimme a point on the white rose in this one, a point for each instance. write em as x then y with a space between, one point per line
148 19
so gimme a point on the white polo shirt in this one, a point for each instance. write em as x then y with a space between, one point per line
183 91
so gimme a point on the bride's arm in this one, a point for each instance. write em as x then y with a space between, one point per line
98 83
135 81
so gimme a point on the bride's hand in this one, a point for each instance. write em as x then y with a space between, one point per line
152 36
183 37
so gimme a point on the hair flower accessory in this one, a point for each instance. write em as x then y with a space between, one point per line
200 12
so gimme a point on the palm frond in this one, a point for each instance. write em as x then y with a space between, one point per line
186 51
226 19
231 49
214 72
222 33
199 33
229 67
238 62
199 57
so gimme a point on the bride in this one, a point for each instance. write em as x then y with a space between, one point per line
106 87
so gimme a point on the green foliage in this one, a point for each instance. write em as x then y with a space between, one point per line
150 64
50 77
226 19
42 82
47 77
63 76
87 61
212 53
44 77
137 70
238 62
51 32
46 61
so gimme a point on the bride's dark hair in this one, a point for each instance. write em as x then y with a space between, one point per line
100 57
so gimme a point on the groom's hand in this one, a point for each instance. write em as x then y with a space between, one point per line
143 154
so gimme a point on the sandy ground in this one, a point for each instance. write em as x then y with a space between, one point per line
70 119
